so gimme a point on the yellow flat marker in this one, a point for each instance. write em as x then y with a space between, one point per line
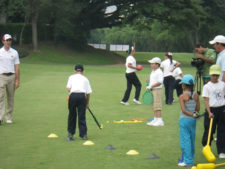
132 152
88 143
52 135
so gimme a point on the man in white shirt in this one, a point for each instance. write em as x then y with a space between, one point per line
9 77
219 44
79 88
132 78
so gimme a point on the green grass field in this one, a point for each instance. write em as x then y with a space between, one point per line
41 109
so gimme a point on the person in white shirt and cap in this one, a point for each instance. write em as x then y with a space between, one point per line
79 88
9 77
132 78
155 85
219 44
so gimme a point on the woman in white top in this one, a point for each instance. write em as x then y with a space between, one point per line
132 78
168 66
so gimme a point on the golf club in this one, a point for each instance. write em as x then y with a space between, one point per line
209 165
207 152
96 121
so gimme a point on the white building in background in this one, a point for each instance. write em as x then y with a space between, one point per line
115 47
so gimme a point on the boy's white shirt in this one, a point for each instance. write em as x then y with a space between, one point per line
215 92
155 77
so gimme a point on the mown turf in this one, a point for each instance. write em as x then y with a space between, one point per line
41 109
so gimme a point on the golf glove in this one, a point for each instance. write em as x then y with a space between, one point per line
196 115
149 88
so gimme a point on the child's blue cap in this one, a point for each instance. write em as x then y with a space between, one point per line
188 80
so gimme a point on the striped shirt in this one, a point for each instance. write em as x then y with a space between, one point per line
189 106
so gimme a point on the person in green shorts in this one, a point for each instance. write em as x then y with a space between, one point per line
209 57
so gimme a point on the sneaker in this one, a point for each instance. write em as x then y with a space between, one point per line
136 101
151 122
84 137
70 137
8 121
222 155
181 164
125 103
158 123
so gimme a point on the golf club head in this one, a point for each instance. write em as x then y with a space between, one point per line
208 154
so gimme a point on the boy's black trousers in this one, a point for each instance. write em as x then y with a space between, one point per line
77 105
219 125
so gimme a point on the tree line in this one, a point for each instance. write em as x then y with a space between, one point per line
154 24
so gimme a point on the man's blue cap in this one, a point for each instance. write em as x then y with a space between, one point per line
188 80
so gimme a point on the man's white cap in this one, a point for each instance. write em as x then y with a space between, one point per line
6 37
218 39
155 60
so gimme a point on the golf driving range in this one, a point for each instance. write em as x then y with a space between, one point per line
41 109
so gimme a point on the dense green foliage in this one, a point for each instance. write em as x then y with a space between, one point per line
156 25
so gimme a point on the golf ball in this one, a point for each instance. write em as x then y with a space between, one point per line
107 121
194 167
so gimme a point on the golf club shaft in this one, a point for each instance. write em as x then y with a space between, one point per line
210 129
220 165
96 121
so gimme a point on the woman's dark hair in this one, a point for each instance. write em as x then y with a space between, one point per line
191 88
131 49
169 55
198 45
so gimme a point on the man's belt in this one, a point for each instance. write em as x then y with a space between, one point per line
8 74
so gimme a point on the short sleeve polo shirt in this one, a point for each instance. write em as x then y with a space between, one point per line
8 60
78 83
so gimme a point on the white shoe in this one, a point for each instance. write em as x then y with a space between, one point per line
151 122
222 155
9 121
182 164
136 101
158 123
125 103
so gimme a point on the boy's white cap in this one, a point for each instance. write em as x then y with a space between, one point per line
6 37
155 60
218 39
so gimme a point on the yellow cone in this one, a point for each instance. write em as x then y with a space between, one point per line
132 152
52 135
88 143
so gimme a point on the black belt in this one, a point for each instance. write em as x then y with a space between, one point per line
8 74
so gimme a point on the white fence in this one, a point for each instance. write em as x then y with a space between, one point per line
112 47
98 46
115 47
